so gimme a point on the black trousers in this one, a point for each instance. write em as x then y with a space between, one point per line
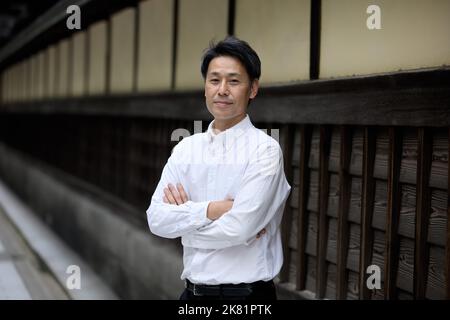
265 292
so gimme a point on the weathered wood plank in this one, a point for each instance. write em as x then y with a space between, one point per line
436 280
330 290
314 157
304 175
407 219
354 247
322 235
378 257
422 211
439 162
332 241
392 216
353 286
287 141
354 214
313 193
356 162
352 259
292 278
334 195
367 205
311 275
311 237
344 203
404 295
408 166
438 218
405 271
380 170
335 149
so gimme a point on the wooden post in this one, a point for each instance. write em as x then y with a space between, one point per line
392 214
302 227
344 203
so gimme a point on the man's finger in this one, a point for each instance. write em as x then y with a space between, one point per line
182 192
175 194
259 234
169 196
165 200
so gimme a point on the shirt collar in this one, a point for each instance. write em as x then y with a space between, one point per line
230 135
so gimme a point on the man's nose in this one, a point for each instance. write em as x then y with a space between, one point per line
223 88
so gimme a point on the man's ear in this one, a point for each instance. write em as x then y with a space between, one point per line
254 88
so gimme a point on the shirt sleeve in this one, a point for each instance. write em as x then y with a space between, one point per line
260 199
169 220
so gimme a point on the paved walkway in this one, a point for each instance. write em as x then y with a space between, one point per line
34 261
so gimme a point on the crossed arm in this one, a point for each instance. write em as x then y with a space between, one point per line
177 196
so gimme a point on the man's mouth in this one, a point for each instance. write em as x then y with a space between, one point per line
222 103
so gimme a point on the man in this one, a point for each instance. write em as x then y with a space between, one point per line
223 191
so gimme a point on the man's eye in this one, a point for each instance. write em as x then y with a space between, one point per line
234 81
214 80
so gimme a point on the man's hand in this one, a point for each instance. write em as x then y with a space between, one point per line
259 235
215 209
174 195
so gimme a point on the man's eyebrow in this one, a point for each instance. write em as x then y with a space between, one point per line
232 74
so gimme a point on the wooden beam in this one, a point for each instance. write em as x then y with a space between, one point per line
314 52
302 227
287 136
423 204
322 227
323 102
367 205
392 214
344 204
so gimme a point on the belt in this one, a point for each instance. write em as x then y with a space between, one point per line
242 289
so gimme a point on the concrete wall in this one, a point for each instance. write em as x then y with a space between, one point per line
136 264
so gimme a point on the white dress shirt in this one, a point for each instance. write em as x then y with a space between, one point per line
244 164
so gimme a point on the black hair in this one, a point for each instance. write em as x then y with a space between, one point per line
236 48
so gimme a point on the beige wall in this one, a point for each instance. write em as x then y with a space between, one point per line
122 51
199 22
51 64
41 75
97 58
63 68
78 82
33 77
20 82
279 31
154 71
414 34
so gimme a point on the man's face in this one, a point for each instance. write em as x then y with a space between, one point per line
228 88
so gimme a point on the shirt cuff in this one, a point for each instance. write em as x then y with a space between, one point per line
199 212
